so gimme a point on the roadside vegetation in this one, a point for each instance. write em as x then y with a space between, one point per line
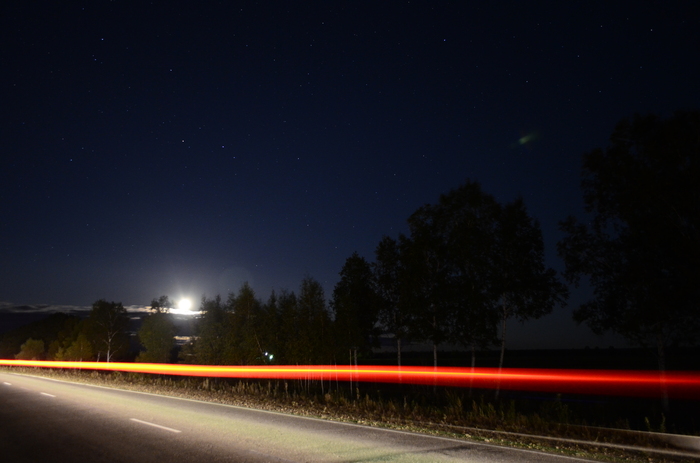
551 424
467 266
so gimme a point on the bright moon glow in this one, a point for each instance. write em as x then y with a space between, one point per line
184 307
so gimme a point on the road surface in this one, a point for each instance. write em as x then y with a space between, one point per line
45 420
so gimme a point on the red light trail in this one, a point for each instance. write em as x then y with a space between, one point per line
680 385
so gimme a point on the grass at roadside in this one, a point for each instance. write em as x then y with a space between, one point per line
551 425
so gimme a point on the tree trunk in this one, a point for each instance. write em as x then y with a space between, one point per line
503 343
398 350
471 377
351 375
434 343
660 351
435 368
503 348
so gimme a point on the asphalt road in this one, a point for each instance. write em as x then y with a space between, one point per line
44 420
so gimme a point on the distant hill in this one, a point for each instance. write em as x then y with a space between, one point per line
12 321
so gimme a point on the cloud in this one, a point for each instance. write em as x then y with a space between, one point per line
138 308
9 307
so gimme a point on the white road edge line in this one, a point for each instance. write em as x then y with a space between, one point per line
155 425
47 394
6 383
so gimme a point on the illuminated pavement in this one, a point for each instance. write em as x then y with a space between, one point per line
47 420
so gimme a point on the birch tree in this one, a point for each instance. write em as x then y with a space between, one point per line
108 323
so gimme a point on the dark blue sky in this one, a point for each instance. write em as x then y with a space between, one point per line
182 148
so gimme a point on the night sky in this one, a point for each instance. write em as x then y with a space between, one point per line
183 148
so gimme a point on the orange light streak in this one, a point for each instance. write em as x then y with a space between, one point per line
681 385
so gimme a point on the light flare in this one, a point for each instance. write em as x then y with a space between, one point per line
680 385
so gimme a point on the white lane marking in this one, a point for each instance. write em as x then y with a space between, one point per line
47 394
6 383
309 418
270 456
155 425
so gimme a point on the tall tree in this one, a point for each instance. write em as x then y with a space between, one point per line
525 286
315 323
290 329
246 319
270 330
641 250
427 275
470 235
157 335
388 269
468 257
108 323
355 304
212 345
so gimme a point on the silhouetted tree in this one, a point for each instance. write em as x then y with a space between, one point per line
108 323
157 336
391 286
290 340
641 250
469 230
469 258
427 273
212 346
525 286
161 305
270 331
246 319
356 306
314 324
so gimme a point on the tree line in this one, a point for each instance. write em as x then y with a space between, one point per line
101 336
467 266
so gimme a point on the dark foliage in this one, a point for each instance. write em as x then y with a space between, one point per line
641 250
